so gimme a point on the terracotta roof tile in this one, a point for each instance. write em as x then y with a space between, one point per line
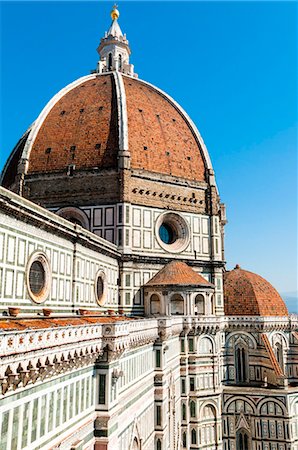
80 129
248 294
178 273
22 324
156 124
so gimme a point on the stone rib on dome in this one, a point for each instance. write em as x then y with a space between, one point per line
178 273
248 294
160 139
80 126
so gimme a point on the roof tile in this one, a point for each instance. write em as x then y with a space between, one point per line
178 273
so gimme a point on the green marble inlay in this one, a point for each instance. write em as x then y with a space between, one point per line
45 385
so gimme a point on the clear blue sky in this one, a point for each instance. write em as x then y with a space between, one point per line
231 65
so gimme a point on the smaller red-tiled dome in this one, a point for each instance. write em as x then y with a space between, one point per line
180 274
248 294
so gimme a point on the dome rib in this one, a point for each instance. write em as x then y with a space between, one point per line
43 115
122 112
140 127
194 130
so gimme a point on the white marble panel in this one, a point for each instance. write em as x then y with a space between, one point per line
136 238
136 217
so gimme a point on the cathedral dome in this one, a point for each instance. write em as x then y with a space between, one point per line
90 122
248 294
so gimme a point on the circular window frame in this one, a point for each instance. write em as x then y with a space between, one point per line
101 274
180 228
42 258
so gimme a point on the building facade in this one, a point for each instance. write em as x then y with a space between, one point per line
120 327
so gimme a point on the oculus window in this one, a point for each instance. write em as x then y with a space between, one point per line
38 276
172 232
100 287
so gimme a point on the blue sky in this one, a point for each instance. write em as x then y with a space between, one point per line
231 65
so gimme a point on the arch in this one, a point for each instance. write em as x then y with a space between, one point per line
177 304
110 61
242 440
194 436
206 345
135 439
279 336
200 305
208 429
184 440
154 304
208 411
271 400
241 336
294 408
278 350
212 305
238 400
183 411
192 408
241 363
120 61
209 404
74 215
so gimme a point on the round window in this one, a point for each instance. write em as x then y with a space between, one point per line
172 232
100 287
167 233
38 277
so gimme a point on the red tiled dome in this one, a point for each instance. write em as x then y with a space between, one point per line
248 294
178 273
81 126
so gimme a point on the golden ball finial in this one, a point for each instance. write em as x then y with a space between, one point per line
115 13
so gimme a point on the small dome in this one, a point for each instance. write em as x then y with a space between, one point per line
248 294
177 273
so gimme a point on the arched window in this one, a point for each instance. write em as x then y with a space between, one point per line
184 442
212 309
74 215
279 353
192 409
193 436
199 305
177 305
110 61
208 433
205 346
241 365
183 411
154 304
242 440
158 444
120 62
